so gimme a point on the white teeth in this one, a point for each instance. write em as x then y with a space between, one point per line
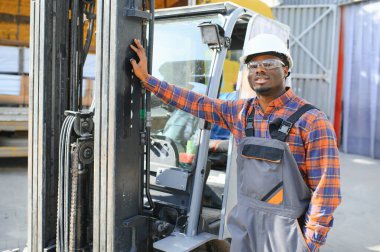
261 80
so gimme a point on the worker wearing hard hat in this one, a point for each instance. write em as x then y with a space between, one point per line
288 161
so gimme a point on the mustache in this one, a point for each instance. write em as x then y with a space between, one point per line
258 76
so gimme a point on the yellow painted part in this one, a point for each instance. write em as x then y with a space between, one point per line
230 74
254 5
231 67
277 198
14 32
13 7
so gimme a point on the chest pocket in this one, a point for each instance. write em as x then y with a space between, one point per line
262 173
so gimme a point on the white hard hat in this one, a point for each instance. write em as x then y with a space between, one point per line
267 44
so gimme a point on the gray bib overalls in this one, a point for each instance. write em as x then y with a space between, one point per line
272 194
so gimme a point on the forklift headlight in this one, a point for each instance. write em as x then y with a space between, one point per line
213 35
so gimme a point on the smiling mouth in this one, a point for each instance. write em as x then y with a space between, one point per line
261 80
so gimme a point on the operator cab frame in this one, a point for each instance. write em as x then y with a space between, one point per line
190 182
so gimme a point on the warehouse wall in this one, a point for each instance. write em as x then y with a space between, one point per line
314 47
361 117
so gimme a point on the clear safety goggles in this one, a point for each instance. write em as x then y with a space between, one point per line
267 64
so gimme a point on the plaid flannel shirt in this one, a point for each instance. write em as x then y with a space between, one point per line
312 142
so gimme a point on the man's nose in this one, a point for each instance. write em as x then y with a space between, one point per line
260 68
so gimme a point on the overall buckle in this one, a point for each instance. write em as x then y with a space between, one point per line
285 127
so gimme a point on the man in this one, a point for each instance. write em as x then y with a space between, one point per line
219 139
288 161
218 132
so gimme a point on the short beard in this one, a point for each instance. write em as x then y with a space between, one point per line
261 90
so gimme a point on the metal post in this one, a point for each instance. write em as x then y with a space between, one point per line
47 102
117 160
199 179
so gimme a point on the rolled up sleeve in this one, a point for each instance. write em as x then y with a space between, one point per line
323 173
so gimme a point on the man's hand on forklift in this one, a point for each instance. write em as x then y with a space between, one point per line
139 69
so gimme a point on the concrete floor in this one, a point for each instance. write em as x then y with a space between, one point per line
357 220
356 227
13 203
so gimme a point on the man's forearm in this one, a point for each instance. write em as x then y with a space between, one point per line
323 171
212 110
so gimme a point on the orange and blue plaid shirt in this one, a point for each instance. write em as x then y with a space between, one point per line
312 142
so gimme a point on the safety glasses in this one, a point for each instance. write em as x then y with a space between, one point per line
266 64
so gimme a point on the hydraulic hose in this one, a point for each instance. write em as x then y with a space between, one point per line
64 185
90 31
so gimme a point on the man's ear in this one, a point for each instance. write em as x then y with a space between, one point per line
286 71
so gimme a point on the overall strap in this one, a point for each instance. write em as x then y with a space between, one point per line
249 129
284 129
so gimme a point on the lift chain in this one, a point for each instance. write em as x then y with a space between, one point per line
74 198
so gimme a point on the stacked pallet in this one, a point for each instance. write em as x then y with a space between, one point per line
14 122
21 99
13 132
14 118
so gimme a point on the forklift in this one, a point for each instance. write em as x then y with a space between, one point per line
130 173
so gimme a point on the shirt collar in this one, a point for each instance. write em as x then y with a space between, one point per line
279 101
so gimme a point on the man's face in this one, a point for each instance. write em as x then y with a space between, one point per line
267 82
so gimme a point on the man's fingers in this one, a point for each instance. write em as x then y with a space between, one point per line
139 52
134 48
140 68
139 45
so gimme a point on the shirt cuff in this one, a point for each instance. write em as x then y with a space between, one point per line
150 83
312 246
315 237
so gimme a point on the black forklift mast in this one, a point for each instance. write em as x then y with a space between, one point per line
120 123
